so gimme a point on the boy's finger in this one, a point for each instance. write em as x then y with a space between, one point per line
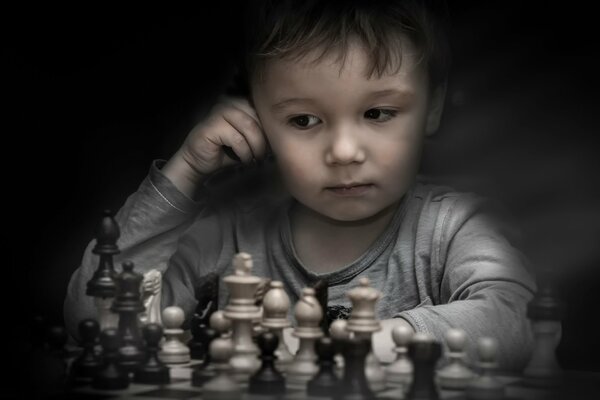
249 128
244 105
231 137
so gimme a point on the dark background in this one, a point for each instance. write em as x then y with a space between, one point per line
95 96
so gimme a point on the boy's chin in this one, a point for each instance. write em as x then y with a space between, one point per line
350 215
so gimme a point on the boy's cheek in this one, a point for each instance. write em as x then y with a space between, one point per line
271 131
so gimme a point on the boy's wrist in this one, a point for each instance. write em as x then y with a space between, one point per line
185 178
404 322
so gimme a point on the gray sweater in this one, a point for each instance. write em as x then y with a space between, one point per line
444 260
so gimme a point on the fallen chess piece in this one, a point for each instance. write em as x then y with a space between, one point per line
151 297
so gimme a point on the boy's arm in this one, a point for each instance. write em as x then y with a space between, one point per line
150 221
485 287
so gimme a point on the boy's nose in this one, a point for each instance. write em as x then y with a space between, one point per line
344 148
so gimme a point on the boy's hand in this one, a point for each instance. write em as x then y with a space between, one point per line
233 122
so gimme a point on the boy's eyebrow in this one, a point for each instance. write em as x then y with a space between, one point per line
404 94
280 105
408 94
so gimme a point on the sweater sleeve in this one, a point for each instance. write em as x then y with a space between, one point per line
150 222
485 285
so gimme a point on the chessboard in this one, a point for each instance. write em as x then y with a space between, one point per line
244 352
578 385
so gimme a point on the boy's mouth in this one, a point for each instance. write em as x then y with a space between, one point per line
350 189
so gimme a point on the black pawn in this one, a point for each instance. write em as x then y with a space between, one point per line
204 372
52 361
546 306
197 345
152 370
38 330
88 363
207 296
354 384
110 376
128 304
424 353
57 339
267 380
322 294
102 283
326 382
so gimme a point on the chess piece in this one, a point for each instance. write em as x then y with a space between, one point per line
102 285
322 294
219 327
152 370
151 297
424 353
363 323
308 314
400 372
47 366
276 305
339 333
267 380
355 385
205 371
326 382
486 386
110 376
173 351
456 374
207 296
37 331
221 324
263 287
57 339
221 386
128 304
88 363
242 310
545 311
197 344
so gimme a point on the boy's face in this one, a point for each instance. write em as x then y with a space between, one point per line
332 127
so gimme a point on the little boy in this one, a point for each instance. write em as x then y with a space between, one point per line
342 94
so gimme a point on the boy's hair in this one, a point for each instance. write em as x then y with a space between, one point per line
290 29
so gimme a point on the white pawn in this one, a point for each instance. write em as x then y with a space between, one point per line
486 386
308 315
456 374
222 386
276 305
339 333
363 318
363 323
221 324
400 372
173 351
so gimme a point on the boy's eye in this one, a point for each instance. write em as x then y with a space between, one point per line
380 114
304 121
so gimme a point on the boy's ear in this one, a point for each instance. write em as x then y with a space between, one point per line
436 106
